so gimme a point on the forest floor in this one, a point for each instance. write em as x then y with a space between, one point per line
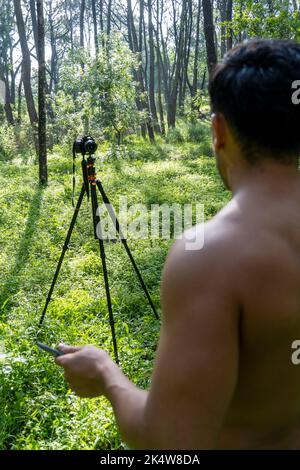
37 411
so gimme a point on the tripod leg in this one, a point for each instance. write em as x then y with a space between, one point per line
96 220
65 247
123 240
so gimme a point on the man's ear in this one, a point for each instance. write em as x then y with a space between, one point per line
219 131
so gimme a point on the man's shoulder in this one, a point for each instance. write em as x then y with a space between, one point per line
219 241
214 264
205 281
236 251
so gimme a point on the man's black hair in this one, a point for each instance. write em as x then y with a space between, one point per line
252 88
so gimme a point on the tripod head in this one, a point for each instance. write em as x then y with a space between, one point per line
86 146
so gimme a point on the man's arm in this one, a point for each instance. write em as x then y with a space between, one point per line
196 367
91 373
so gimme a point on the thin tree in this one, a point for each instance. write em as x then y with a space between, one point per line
109 8
152 69
95 24
81 26
33 13
209 30
141 101
159 71
6 62
173 95
26 65
194 86
229 26
43 173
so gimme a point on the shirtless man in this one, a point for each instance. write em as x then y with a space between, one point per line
223 375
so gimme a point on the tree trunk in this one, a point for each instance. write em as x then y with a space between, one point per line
296 7
241 8
196 60
34 22
95 26
43 173
7 104
69 17
222 10
81 25
160 103
109 7
162 57
101 16
229 27
26 65
203 79
187 52
172 104
53 61
141 100
211 52
152 70
12 74
6 64
19 113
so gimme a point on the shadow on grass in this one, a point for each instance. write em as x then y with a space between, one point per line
12 283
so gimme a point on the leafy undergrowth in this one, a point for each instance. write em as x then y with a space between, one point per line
37 411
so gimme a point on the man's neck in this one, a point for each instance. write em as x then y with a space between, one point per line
267 176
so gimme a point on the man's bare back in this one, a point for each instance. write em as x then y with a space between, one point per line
265 224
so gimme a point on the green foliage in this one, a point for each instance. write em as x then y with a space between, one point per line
267 20
36 409
113 88
8 147
197 132
175 136
97 95
68 118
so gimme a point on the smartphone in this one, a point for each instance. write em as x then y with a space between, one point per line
53 352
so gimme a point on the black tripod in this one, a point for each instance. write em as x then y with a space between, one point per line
90 185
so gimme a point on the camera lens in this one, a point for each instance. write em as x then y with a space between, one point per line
78 146
90 146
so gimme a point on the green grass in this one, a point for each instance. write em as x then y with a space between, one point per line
36 409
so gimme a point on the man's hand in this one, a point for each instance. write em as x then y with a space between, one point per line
85 369
92 373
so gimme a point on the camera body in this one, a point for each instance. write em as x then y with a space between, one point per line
85 145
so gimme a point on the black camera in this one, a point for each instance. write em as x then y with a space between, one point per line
85 145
